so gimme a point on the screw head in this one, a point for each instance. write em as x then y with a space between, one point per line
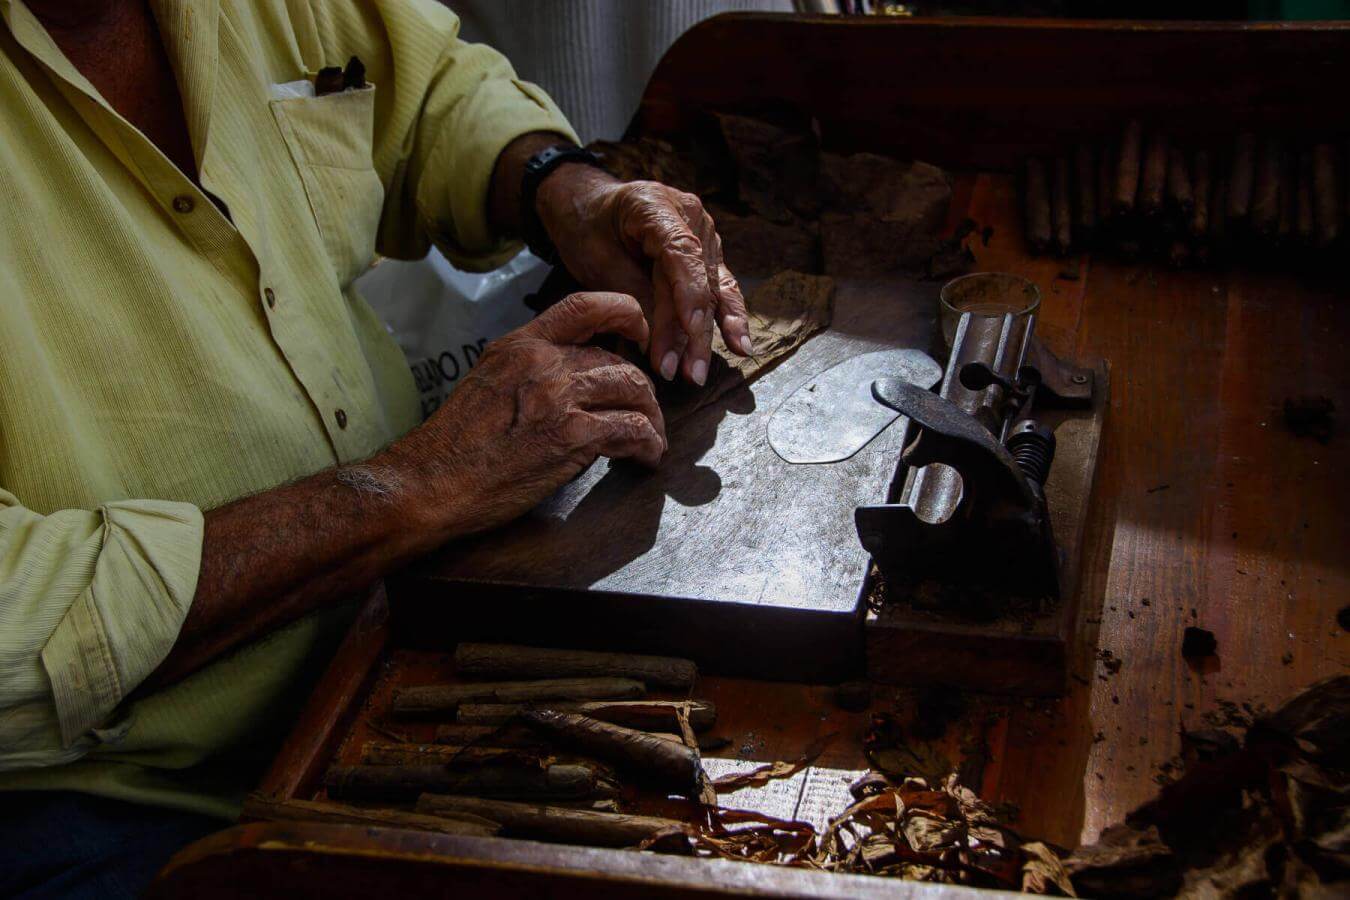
1079 379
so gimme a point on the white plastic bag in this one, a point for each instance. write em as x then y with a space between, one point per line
442 317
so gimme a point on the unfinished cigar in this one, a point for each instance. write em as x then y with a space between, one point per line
1284 227
1218 219
1037 201
649 715
1200 191
1085 211
1241 175
447 822
553 823
1265 205
512 782
669 764
464 735
1153 182
1106 181
433 698
1303 206
384 753
1060 216
511 661
1326 195
1127 168
1179 191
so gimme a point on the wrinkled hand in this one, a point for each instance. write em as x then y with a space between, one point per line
657 244
536 410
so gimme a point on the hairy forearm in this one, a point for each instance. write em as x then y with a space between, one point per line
269 558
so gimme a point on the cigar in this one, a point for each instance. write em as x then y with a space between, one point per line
257 807
1179 185
1284 228
1060 216
1326 195
671 764
395 782
1265 205
1241 175
1303 208
1085 211
434 698
464 735
1179 253
1127 168
385 753
1154 180
1218 220
512 661
554 823
1200 192
648 715
1037 200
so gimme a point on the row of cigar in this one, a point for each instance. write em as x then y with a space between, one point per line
1146 195
542 756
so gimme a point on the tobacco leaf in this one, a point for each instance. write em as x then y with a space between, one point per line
780 769
1043 873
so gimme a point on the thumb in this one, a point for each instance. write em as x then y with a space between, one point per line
580 317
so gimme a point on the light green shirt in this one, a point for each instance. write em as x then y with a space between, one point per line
158 358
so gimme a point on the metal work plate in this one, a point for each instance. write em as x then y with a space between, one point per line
834 415
725 554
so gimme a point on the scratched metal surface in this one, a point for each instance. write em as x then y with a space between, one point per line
725 535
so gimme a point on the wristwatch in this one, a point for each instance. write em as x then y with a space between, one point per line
537 168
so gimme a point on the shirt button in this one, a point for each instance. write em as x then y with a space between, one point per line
270 297
341 417
184 204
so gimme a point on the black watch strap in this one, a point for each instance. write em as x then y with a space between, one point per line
537 168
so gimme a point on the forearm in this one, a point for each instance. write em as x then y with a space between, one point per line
504 195
272 557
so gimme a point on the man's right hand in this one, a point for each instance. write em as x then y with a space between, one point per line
536 410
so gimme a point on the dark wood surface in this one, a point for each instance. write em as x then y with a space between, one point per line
724 539
982 94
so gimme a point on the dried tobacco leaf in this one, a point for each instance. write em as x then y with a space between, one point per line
780 769
1043 873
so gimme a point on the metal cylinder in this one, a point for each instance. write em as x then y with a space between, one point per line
989 318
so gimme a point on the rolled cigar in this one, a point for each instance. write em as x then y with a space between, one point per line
1106 181
433 698
519 782
1179 253
1153 183
553 823
1085 211
1241 174
1060 216
1284 228
1037 202
1179 185
384 753
1127 168
649 715
1200 191
1265 205
672 765
1218 219
1326 195
1303 207
464 735
447 822
511 661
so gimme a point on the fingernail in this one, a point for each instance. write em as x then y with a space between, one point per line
699 372
668 364
696 320
746 348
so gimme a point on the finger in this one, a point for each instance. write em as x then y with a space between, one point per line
732 317
623 434
655 223
668 338
579 317
617 387
698 354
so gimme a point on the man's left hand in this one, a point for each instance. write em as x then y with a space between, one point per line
658 244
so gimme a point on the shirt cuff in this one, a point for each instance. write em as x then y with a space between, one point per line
126 620
453 201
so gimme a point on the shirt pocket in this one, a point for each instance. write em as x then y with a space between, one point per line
330 139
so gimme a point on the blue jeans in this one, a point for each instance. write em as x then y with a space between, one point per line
65 844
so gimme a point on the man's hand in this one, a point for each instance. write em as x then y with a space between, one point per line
536 410
657 244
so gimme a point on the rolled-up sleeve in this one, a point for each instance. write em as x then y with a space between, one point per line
91 601
444 111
